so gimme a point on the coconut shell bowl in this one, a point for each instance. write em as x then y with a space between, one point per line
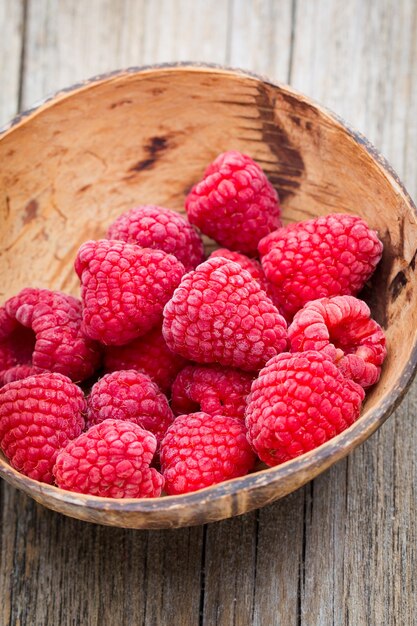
71 165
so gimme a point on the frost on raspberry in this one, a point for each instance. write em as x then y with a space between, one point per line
298 402
110 460
200 450
219 314
211 389
327 256
234 203
151 226
124 289
250 265
39 415
148 354
42 329
341 327
130 395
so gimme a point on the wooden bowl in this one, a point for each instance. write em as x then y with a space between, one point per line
79 159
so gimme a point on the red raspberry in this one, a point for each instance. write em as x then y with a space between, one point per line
342 328
129 395
43 329
110 460
16 343
149 354
7 326
298 402
212 389
219 314
18 372
200 450
328 256
124 288
152 226
234 203
38 416
250 265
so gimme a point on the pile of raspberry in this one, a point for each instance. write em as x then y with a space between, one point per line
172 371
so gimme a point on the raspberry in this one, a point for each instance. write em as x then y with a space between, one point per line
327 256
149 354
234 203
250 265
298 402
129 395
18 372
342 328
200 450
124 288
7 327
110 460
38 416
16 343
152 226
43 329
212 389
219 314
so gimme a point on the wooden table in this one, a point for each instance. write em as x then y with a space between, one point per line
342 550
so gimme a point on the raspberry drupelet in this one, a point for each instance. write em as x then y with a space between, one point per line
341 327
111 460
234 203
38 416
328 256
124 288
219 314
211 389
250 265
298 402
151 226
129 395
200 450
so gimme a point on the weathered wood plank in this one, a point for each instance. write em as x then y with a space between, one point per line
11 45
185 31
68 41
279 563
11 42
360 523
173 576
55 570
230 566
260 39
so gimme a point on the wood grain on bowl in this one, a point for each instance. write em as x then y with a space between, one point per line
73 164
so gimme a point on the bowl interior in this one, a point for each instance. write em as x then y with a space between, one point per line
136 137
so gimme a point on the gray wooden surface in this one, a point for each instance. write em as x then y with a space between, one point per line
343 549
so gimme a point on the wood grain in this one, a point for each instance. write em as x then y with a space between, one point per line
361 524
343 54
260 38
11 55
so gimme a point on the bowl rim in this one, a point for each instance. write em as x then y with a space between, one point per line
307 465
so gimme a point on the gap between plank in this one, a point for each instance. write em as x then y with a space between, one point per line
202 575
255 560
229 31
292 40
22 54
